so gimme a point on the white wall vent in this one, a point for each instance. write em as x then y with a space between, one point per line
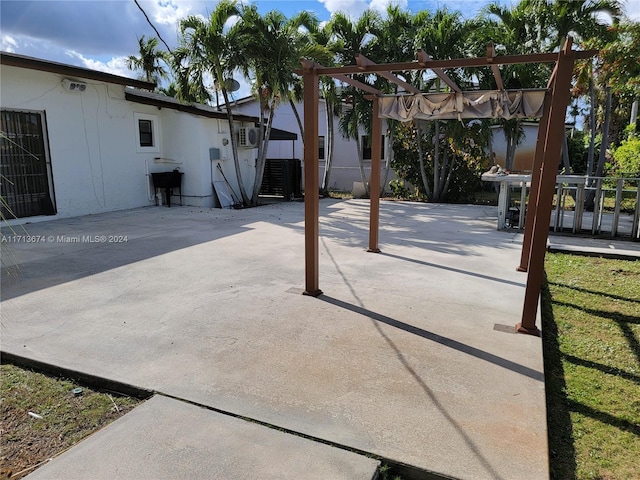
73 85
248 137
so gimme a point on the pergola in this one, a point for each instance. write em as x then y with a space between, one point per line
548 104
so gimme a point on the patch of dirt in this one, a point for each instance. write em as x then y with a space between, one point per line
42 416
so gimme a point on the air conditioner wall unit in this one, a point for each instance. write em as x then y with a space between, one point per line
74 85
248 137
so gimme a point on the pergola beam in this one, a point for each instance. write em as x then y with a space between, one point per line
426 61
359 85
491 53
363 62
456 63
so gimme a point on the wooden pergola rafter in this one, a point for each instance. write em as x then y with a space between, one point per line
546 159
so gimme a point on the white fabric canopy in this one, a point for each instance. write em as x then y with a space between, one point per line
449 106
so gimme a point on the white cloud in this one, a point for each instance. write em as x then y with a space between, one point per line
353 8
168 12
381 5
116 66
8 44
632 9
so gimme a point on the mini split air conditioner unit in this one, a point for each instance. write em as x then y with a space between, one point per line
73 85
248 137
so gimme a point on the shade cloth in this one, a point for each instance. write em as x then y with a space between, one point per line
448 106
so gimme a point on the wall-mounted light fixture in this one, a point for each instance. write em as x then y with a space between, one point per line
73 85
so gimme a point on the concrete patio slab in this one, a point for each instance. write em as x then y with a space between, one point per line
598 247
170 439
404 355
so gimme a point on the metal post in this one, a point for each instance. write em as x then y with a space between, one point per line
579 208
311 185
532 206
374 179
635 232
556 221
523 205
616 213
552 151
503 204
595 222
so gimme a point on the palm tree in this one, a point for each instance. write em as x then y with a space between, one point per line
443 35
149 60
207 47
351 120
582 19
519 29
353 39
272 46
394 42
323 37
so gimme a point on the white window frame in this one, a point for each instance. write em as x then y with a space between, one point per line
155 132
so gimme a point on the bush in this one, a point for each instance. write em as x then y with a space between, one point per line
626 158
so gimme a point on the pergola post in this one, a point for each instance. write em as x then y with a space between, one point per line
311 183
374 178
552 151
536 171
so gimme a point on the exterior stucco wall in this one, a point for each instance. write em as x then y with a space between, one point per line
91 140
187 139
96 161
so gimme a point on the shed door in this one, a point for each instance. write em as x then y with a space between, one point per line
24 168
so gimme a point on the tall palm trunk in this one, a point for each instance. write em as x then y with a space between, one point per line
298 119
423 172
387 163
436 163
589 202
592 128
262 150
234 147
363 174
328 151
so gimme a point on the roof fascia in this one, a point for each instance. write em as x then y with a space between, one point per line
30 63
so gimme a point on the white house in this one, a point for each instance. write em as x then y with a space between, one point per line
345 169
77 141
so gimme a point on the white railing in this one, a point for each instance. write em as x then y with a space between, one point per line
569 213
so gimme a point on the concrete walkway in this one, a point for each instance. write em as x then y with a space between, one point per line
405 355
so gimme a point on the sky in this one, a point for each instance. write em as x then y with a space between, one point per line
101 34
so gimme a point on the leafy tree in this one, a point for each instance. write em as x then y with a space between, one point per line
150 60
626 158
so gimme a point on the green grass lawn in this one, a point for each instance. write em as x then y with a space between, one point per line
591 329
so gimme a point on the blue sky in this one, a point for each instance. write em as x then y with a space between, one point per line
101 34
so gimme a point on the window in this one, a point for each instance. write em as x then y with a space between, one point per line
366 147
148 133
145 128
321 147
